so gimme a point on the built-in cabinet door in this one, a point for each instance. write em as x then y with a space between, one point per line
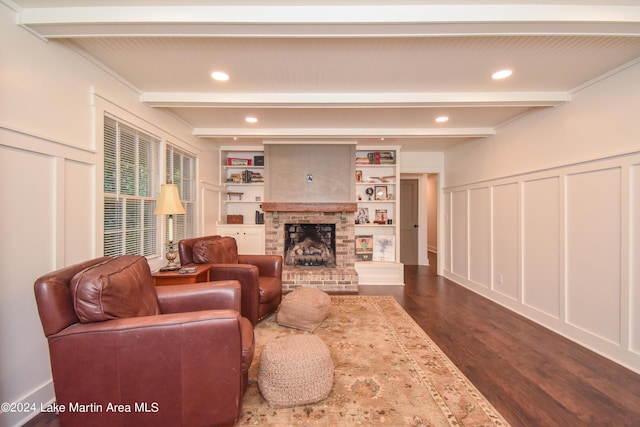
249 238
252 241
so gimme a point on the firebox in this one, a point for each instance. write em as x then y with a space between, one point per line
310 245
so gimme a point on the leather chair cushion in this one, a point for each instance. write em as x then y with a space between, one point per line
220 251
270 288
121 287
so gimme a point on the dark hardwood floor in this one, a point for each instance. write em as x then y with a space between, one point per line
532 376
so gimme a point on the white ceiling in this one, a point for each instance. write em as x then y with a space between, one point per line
354 69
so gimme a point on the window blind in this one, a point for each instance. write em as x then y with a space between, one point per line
180 170
131 171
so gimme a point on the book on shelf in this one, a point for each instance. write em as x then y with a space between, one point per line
246 177
377 158
256 177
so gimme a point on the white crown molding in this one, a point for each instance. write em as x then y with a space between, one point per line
331 20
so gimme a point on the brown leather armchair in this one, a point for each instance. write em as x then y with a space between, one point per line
126 353
259 275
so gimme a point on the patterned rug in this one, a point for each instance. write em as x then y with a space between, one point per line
387 371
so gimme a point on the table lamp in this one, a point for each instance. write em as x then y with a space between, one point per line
169 204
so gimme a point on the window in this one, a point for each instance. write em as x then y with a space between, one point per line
131 171
180 170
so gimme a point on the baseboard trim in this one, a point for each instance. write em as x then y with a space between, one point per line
41 397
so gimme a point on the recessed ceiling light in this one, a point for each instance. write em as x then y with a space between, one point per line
442 119
502 74
251 120
220 76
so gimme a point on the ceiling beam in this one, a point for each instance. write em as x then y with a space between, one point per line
343 132
355 100
332 20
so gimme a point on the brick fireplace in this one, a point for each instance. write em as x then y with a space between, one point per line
339 278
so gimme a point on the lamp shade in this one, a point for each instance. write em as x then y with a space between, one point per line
169 203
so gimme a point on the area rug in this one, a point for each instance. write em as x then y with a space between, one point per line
387 372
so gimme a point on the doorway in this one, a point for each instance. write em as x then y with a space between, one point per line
418 218
409 221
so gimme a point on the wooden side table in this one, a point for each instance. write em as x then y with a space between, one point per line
164 278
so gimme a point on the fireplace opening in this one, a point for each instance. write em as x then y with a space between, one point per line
310 245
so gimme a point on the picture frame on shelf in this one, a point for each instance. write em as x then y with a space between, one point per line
358 176
364 247
362 216
381 216
384 248
234 161
380 192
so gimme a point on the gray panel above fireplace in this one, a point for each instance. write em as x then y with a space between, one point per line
309 172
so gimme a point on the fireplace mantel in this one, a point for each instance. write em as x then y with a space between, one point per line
309 206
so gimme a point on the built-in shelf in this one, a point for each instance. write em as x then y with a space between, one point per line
241 197
384 180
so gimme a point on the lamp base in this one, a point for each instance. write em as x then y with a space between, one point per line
171 256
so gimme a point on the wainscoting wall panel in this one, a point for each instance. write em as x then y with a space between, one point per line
446 232
480 236
459 233
634 258
541 250
564 249
53 224
593 229
505 238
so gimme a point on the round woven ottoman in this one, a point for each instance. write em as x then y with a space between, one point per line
305 308
295 370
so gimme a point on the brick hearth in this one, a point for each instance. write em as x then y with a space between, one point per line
342 278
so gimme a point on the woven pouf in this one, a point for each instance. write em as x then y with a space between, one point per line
304 308
295 370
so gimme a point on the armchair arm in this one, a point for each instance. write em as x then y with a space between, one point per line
199 296
248 277
194 358
268 265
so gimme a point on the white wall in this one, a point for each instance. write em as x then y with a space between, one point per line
544 216
51 107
